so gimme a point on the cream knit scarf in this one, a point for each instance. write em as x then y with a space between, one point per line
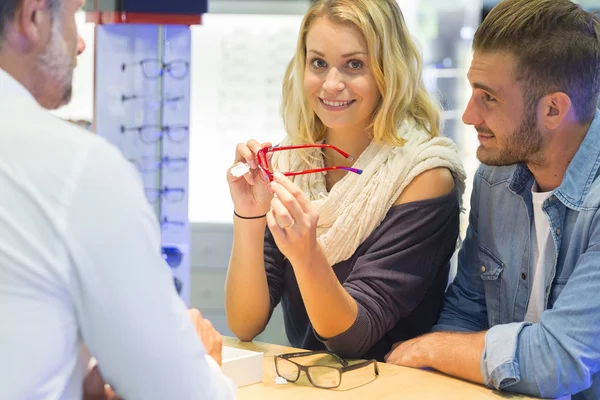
357 204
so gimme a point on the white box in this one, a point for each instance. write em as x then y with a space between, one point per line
244 367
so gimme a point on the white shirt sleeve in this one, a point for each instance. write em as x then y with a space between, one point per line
131 319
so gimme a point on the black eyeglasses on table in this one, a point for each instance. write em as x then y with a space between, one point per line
321 376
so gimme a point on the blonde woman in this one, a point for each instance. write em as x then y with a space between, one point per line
362 228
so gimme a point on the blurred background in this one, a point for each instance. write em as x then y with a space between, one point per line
238 58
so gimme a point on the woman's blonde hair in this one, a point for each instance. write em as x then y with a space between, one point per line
394 61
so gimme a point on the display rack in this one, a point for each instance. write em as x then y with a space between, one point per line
142 106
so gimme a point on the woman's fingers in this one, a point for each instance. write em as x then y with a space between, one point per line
243 153
277 231
293 213
282 215
254 146
293 189
246 153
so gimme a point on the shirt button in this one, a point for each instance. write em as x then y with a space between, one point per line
483 268
557 231
523 276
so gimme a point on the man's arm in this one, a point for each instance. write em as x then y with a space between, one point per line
558 356
131 319
456 354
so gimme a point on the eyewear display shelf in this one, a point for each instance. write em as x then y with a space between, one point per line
142 106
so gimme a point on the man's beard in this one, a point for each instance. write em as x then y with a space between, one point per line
55 70
524 145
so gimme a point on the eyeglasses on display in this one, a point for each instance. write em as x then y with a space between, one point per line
151 102
150 164
165 223
153 68
152 133
170 195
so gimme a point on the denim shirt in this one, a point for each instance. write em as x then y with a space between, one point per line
560 355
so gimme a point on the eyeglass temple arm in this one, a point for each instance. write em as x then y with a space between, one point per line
167 159
311 146
139 128
311 353
311 171
361 365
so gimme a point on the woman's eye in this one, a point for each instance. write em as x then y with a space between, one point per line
318 63
355 64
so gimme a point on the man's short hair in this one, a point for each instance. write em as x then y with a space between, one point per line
556 44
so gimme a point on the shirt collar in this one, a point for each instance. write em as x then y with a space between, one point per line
12 89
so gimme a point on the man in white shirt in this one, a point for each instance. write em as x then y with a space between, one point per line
80 262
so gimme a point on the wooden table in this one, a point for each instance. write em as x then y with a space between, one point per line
393 382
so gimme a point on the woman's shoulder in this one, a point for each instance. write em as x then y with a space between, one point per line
430 184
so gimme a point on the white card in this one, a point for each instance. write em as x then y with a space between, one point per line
239 169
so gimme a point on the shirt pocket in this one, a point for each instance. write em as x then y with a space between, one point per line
491 268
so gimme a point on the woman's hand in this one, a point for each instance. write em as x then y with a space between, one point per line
250 194
292 221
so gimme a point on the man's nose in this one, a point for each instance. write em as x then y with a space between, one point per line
80 45
471 116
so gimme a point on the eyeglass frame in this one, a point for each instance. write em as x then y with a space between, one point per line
263 161
164 66
160 128
304 368
161 100
162 192
159 163
165 222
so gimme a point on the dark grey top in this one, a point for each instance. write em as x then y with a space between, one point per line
397 277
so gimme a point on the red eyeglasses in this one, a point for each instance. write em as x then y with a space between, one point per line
267 172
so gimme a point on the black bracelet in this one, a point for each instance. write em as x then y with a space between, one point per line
239 216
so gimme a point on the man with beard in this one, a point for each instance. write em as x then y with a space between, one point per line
523 313
80 265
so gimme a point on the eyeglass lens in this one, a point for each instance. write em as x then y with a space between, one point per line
151 133
325 377
319 375
152 164
287 369
170 195
154 68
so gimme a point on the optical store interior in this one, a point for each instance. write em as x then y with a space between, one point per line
217 83
239 54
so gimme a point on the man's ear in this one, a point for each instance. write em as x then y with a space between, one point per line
33 22
553 109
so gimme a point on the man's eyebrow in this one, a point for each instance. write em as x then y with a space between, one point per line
485 88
